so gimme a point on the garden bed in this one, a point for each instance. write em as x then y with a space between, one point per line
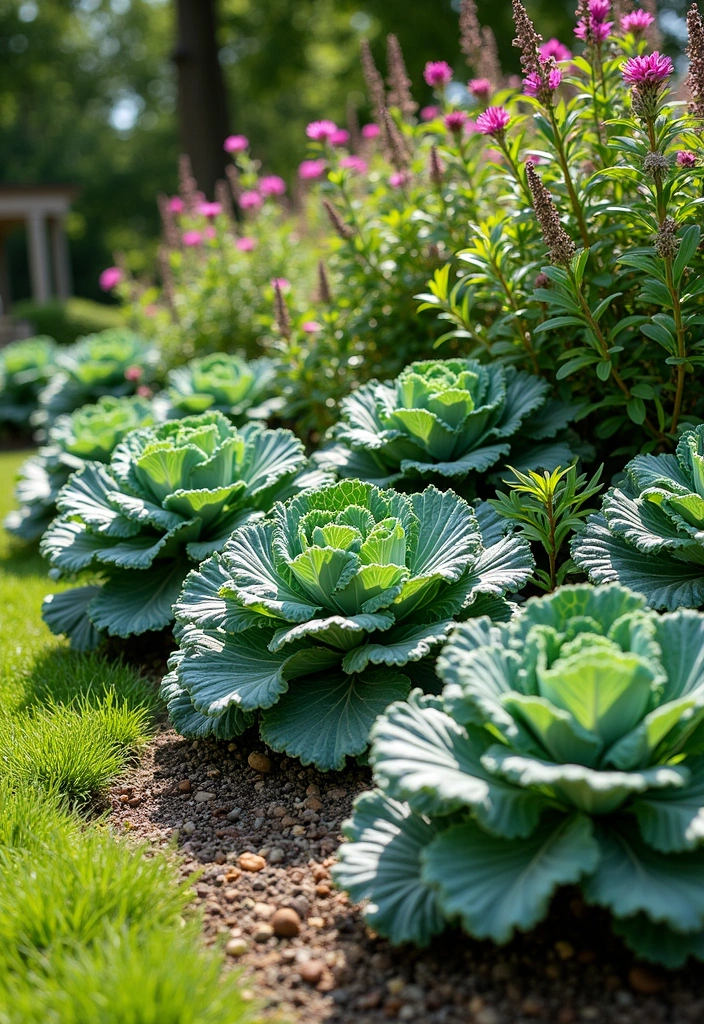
204 796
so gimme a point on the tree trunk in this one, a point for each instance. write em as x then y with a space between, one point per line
202 101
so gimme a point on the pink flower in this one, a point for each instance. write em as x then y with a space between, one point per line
311 326
686 159
272 185
210 232
245 244
175 204
493 121
480 87
354 163
437 73
637 21
191 238
310 169
210 209
281 283
250 200
110 278
370 131
235 143
598 29
533 83
144 392
455 121
133 373
340 138
652 68
599 9
554 48
398 179
321 131
429 113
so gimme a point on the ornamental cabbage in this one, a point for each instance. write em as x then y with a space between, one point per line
567 748
321 616
89 434
447 421
25 368
241 390
650 532
113 362
170 496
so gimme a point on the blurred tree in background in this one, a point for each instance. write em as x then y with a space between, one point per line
88 92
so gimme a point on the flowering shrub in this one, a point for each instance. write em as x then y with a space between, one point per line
564 750
88 435
115 362
25 368
227 383
168 498
447 421
650 533
320 616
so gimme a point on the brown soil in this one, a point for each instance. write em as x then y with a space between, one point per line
206 798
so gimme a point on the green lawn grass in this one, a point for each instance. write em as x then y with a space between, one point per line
92 933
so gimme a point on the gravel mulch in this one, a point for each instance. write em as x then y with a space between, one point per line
262 832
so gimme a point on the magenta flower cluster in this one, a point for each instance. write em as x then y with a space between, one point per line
533 83
250 200
235 144
455 121
653 69
595 27
110 278
637 21
480 87
437 73
554 48
309 170
493 121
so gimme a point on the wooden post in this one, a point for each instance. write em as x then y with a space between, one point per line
5 291
60 258
39 258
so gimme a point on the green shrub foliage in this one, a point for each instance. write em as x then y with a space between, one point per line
88 435
231 385
449 422
115 362
566 749
321 616
650 532
170 496
25 368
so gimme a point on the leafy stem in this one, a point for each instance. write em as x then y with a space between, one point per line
572 192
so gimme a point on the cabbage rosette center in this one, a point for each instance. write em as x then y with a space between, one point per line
170 496
448 421
566 748
310 618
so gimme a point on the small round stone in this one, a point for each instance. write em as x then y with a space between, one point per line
312 971
263 933
189 828
236 947
259 762
286 923
252 862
